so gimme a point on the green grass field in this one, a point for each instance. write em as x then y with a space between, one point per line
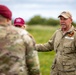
42 34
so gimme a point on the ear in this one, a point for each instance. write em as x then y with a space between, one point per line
71 18
24 26
9 21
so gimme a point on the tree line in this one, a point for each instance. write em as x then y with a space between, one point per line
38 20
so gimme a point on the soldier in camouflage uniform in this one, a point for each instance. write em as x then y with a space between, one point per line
63 42
19 22
16 48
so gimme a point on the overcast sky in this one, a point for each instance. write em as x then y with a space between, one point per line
45 8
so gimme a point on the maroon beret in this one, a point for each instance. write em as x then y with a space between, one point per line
19 22
5 11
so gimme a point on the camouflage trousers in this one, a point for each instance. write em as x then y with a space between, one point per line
55 71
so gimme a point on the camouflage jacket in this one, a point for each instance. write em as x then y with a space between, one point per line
65 47
17 52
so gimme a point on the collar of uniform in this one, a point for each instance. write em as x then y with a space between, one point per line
71 29
3 25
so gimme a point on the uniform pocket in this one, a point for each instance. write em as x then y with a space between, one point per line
68 65
67 49
68 46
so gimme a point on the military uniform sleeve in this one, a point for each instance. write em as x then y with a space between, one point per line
49 46
33 68
75 38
